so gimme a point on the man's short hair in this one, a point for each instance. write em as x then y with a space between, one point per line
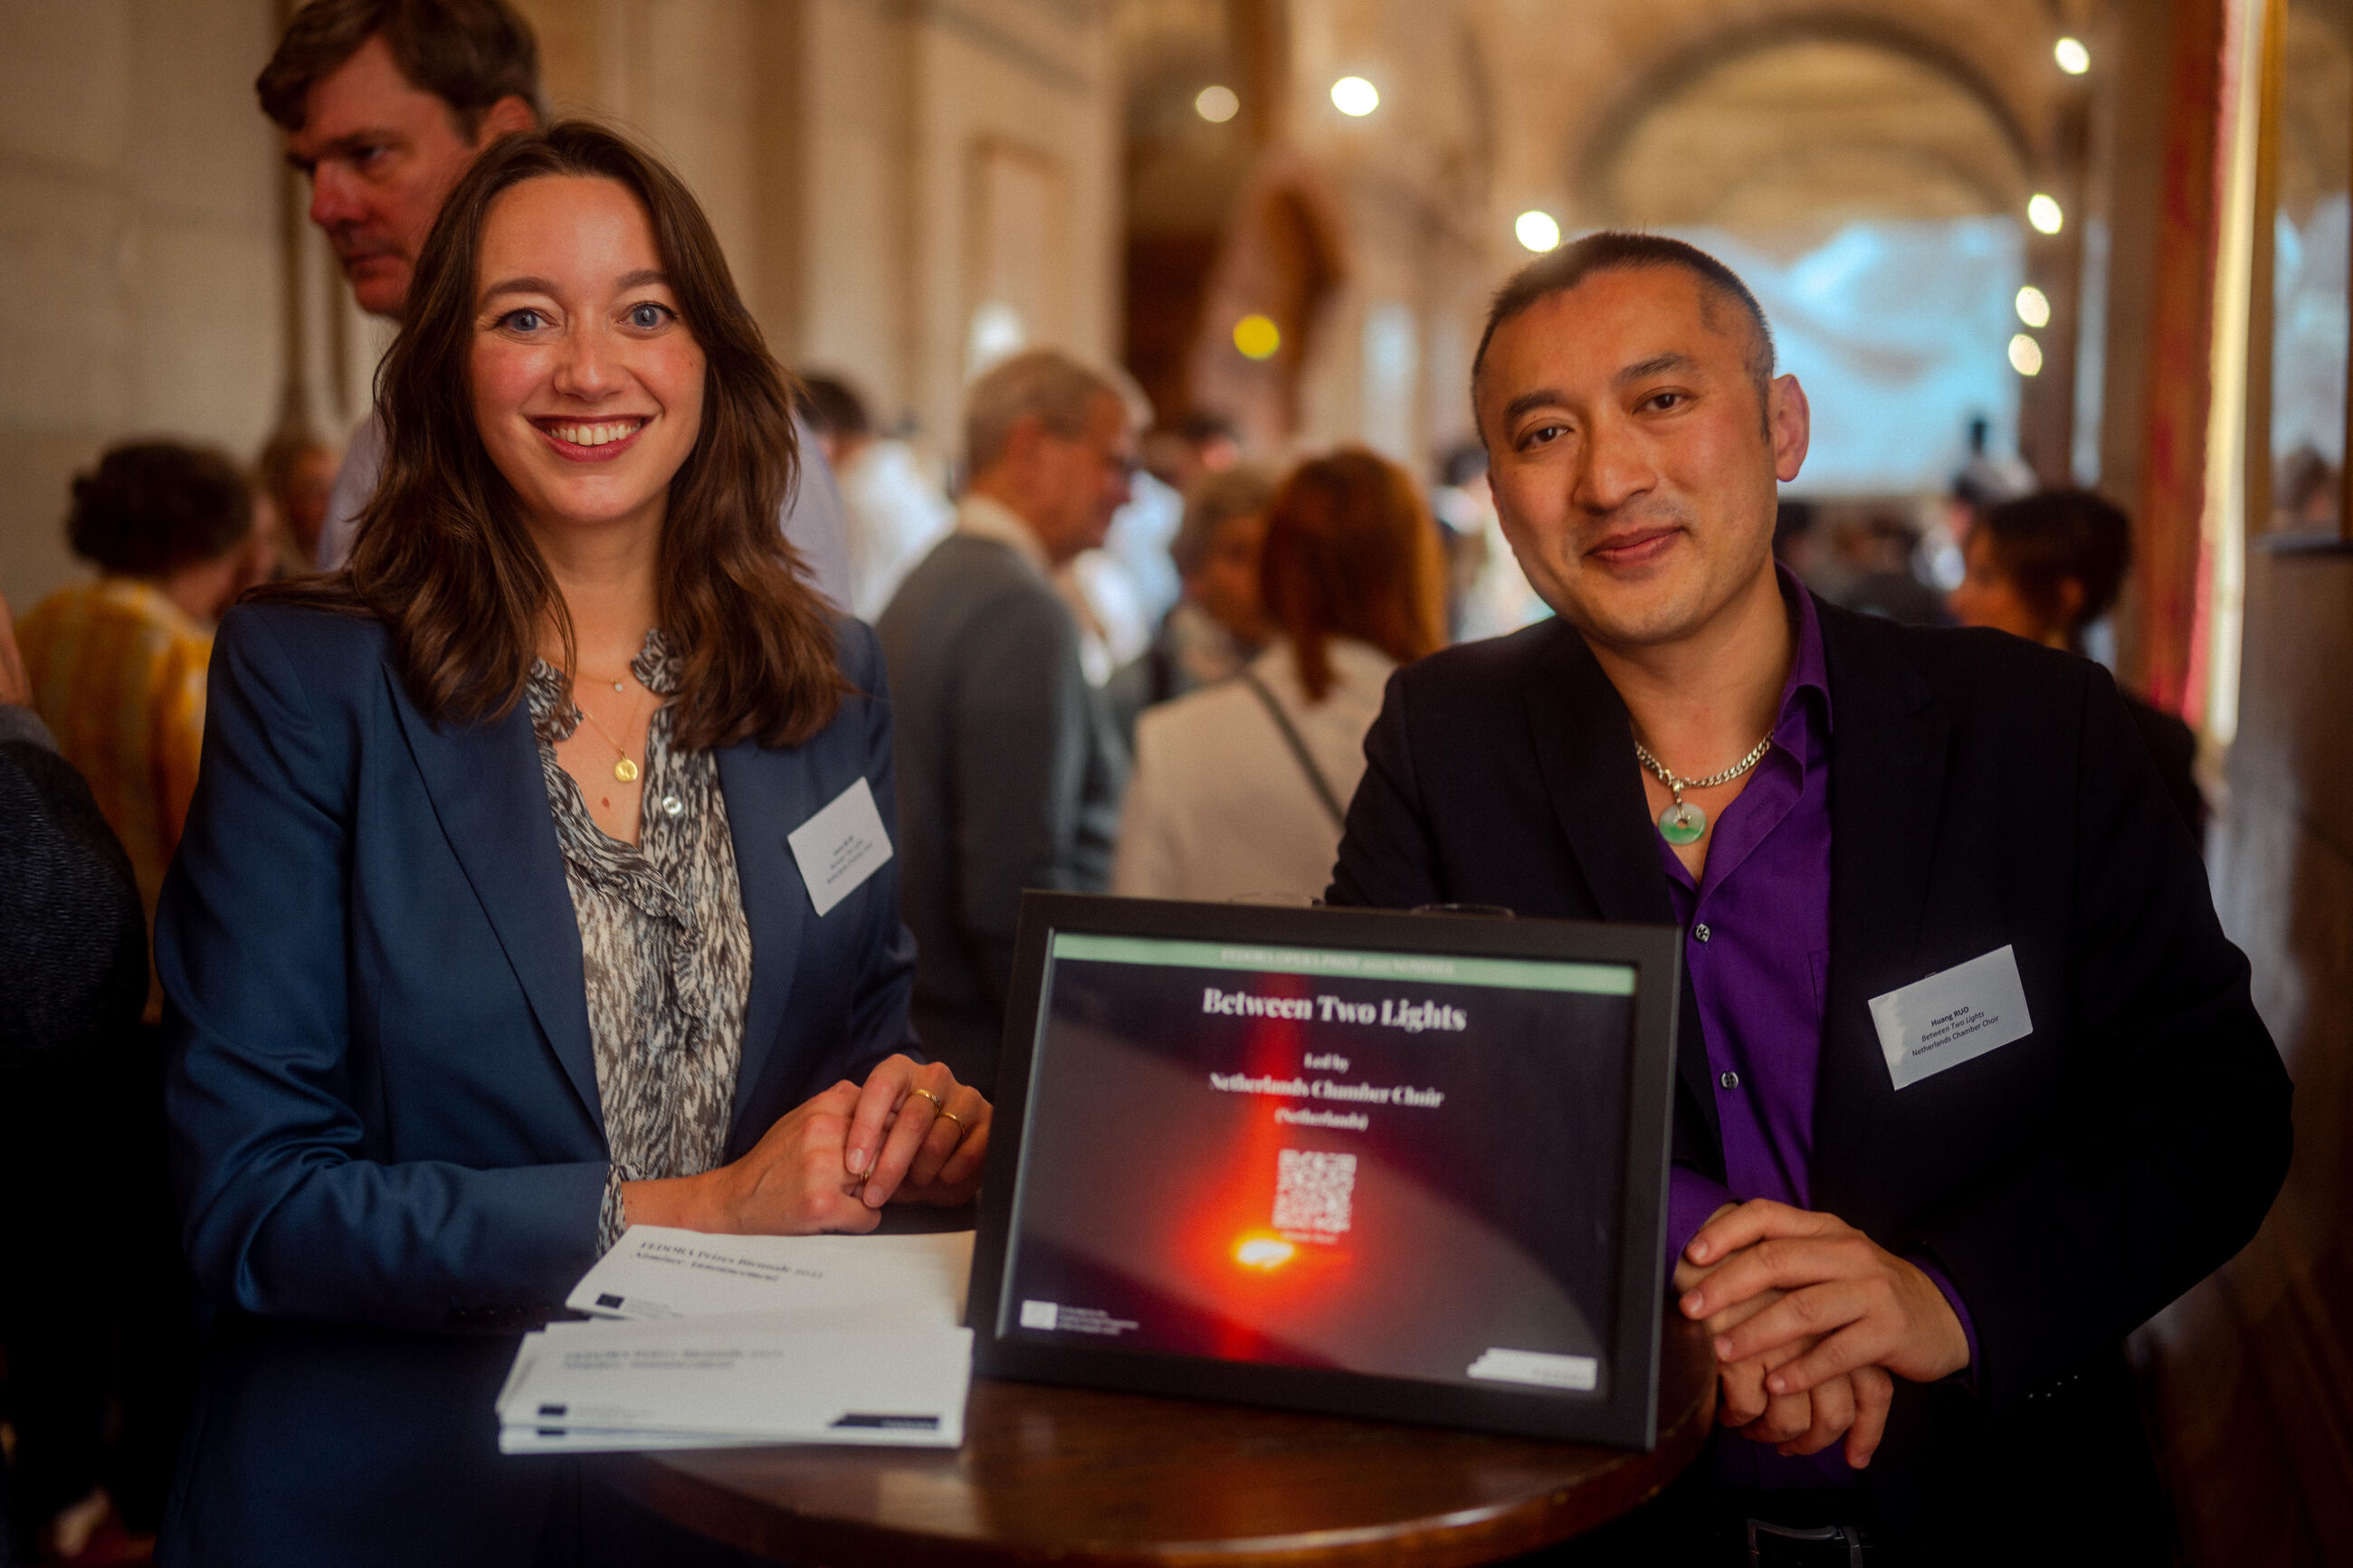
1058 390
833 407
469 54
1618 250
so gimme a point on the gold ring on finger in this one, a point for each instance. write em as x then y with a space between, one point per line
937 1103
948 1115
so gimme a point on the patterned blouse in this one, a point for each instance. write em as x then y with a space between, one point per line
663 944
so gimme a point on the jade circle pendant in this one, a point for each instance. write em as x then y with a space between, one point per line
1682 822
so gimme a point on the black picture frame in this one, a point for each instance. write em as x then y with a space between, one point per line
1624 1414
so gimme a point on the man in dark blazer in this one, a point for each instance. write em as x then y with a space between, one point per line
1970 1083
1009 776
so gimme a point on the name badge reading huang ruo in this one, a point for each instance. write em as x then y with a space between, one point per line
1955 1016
840 846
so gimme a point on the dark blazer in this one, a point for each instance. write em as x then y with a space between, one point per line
2173 747
1984 792
387 1133
1008 778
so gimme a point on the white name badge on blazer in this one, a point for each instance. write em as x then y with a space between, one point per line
840 846
1955 1016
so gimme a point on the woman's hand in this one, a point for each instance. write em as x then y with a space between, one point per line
917 1135
792 1181
912 1133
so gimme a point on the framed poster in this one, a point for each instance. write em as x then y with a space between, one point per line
1363 1162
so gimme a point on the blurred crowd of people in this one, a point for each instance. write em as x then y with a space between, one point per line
2045 565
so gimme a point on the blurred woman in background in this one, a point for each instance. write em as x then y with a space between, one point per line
297 470
117 666
1240 788
2047 568
1220 624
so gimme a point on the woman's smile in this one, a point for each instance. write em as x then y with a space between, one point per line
584 440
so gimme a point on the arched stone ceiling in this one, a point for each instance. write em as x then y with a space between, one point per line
1168 49
1573 81
1807 133
1431 141
1182 171
1504 104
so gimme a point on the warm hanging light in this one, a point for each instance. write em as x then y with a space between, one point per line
1216 104
1257 336
2042 212
2034 307
1538 230
2025 356
1353 95
2072 56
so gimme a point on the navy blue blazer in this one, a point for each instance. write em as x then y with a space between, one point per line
387 1135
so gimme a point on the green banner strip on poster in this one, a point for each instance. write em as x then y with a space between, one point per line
1507 974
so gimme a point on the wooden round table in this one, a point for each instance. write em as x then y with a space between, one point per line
1073 1476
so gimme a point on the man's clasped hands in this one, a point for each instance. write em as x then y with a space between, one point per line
1812 1323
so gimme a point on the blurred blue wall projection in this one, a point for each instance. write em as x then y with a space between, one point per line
1898 330
2309 348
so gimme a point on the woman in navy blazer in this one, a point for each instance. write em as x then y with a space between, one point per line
393 1147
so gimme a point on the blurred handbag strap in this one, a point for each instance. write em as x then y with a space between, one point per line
1290 738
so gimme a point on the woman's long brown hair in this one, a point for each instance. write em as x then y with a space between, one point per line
442 557
1352 552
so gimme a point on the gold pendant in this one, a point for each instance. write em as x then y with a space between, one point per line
625 770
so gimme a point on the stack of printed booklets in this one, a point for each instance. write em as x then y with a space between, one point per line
707 1342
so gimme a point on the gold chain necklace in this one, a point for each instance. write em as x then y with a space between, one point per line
1683 823
624 769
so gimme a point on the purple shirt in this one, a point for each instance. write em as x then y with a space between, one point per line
1757 944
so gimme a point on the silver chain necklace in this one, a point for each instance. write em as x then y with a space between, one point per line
1683 823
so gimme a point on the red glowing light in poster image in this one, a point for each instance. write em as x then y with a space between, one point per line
1258 1275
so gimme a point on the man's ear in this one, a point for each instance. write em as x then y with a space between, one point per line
505 117
1021 442
1789 424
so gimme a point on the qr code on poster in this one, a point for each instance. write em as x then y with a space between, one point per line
1311 1190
